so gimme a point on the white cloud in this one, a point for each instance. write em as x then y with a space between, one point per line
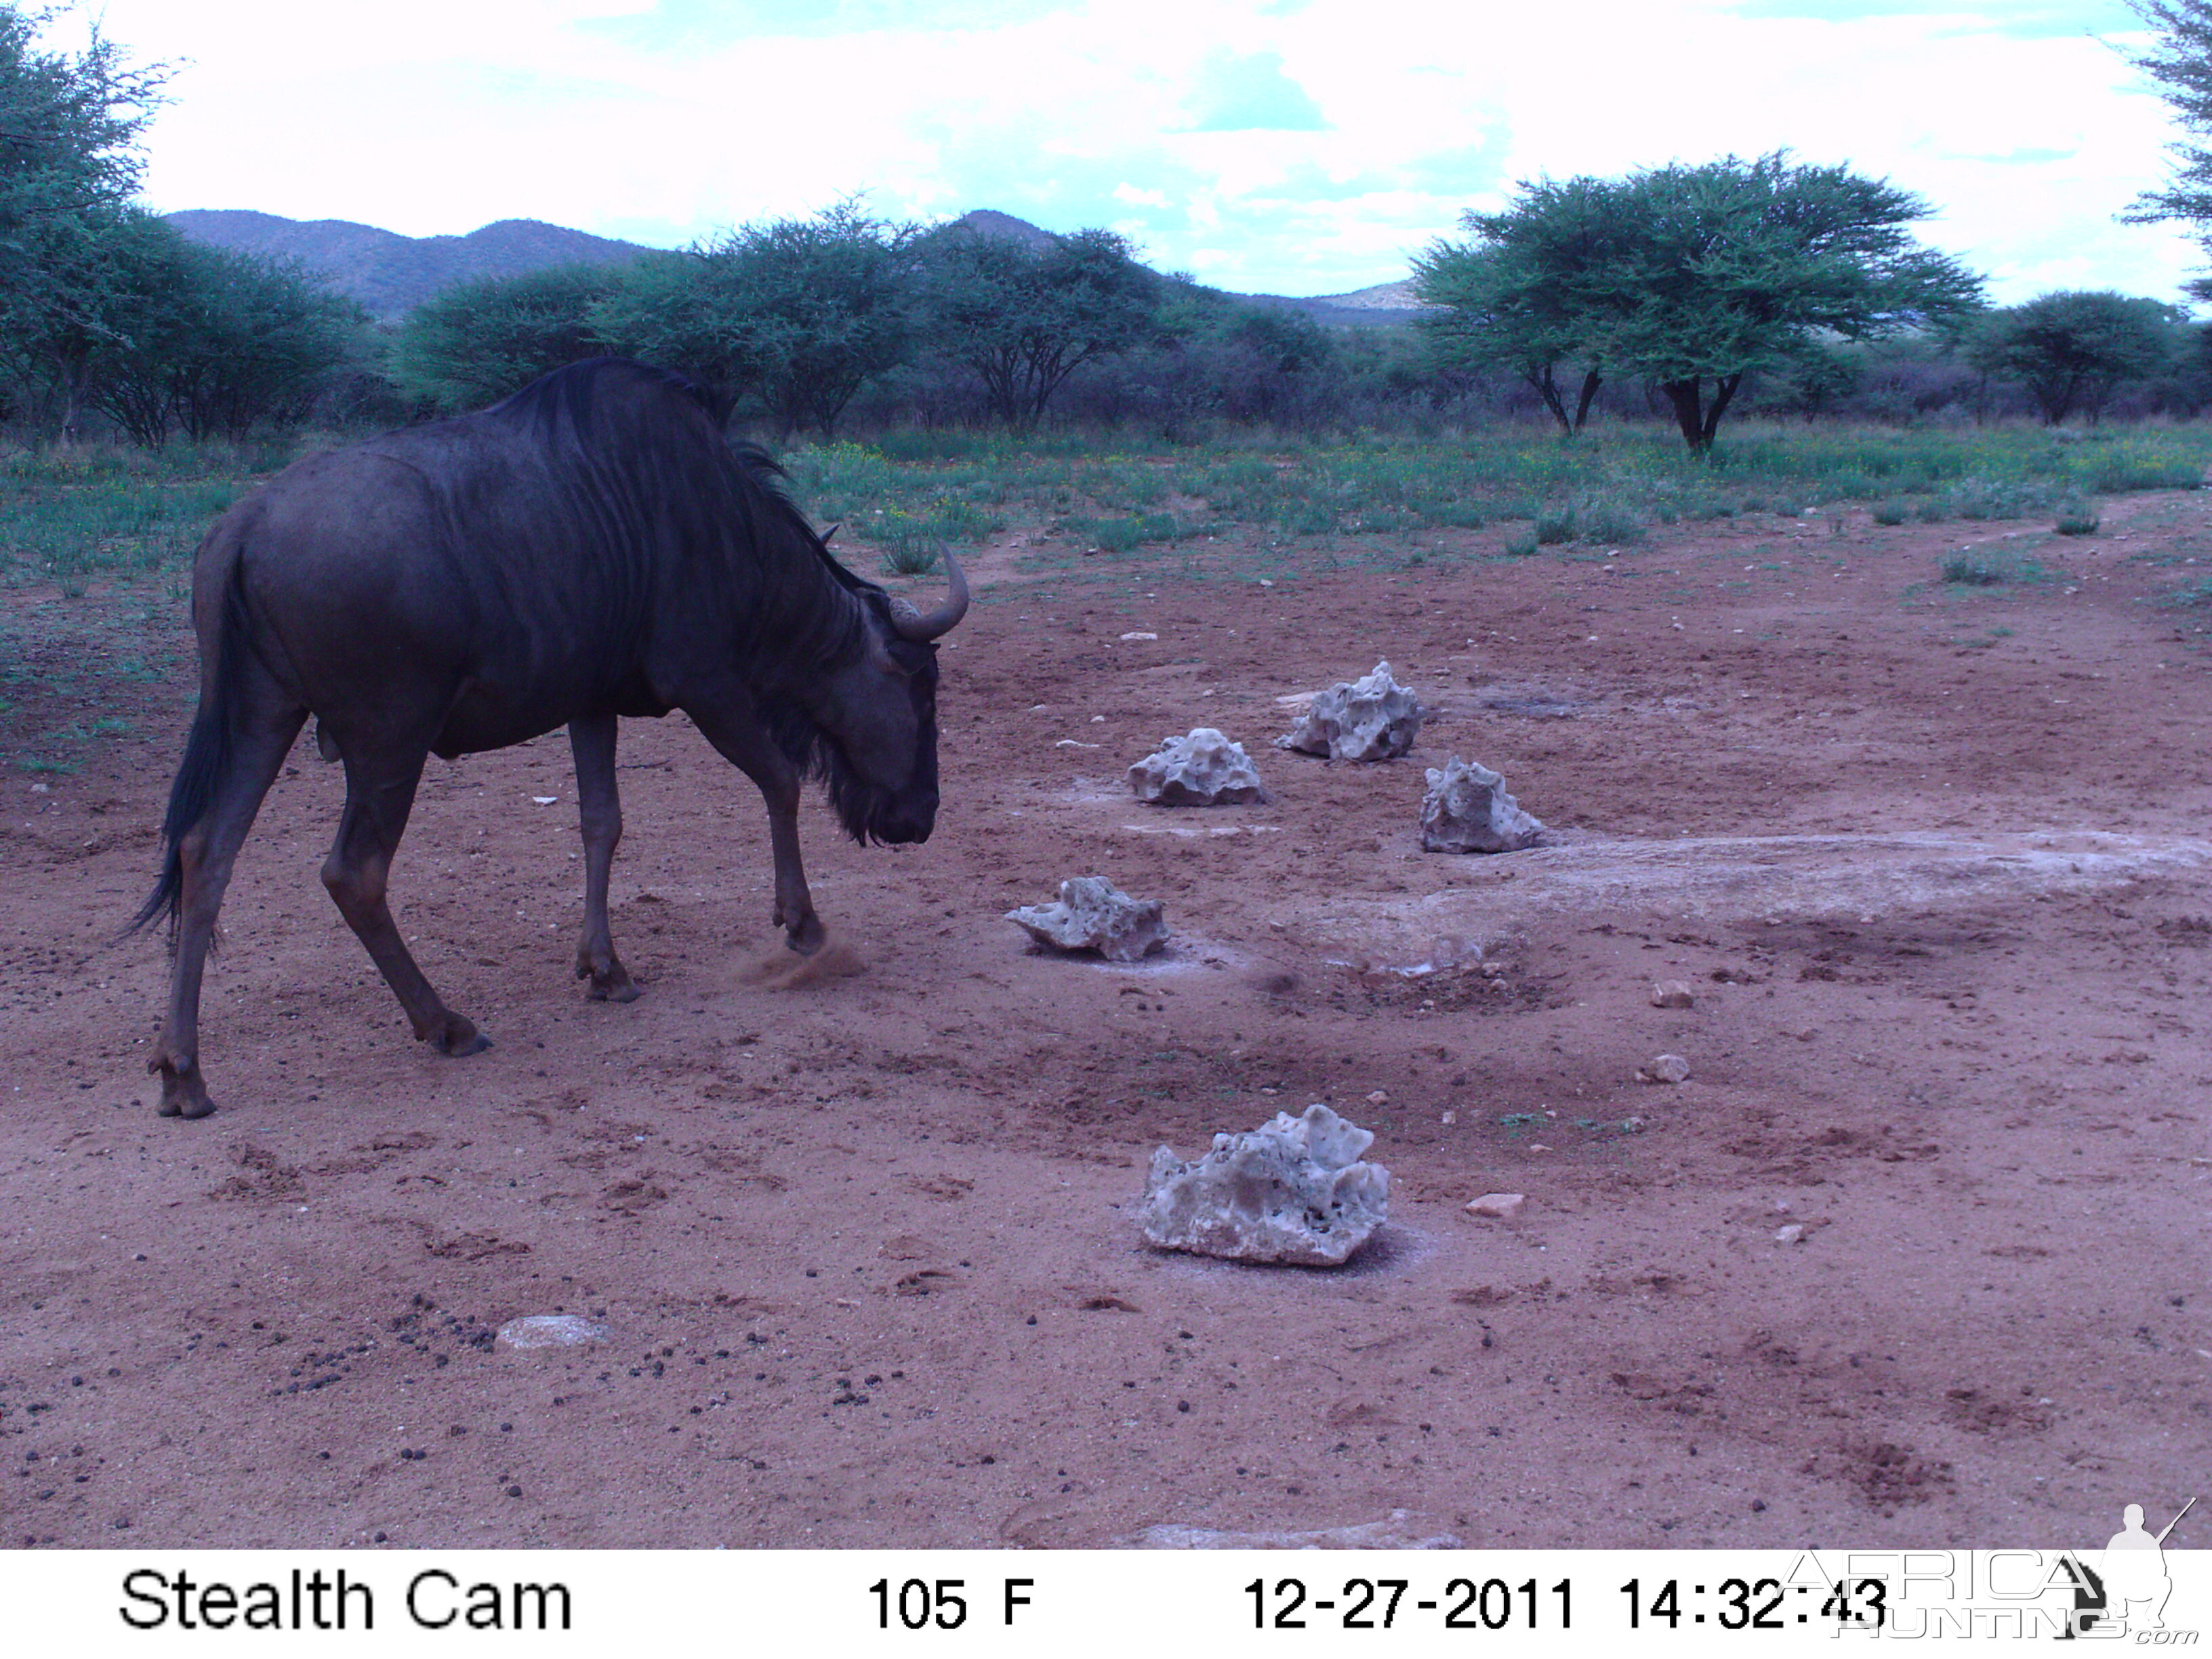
430 116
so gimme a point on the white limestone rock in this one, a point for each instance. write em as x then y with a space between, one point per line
1370 718
1094 914
1467 809
550 1331
1402 1529
1203 770
1292 1190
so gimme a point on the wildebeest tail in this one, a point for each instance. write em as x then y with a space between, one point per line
207 758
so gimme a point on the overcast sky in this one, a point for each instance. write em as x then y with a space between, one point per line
1281 146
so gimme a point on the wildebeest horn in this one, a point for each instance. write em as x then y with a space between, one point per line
913 625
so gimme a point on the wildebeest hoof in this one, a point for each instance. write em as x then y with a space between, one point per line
182 1094
458 1037
616 987
807 937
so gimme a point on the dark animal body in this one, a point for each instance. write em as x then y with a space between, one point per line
592 548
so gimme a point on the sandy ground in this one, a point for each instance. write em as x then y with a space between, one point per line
1937 863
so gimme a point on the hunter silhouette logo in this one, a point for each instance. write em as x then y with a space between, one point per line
2127 1591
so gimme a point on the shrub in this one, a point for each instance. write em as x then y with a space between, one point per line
1554 525
1606 519
1521 543
1891 511
1972 569
2078 518
909 549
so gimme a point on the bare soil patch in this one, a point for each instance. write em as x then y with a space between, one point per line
1937 863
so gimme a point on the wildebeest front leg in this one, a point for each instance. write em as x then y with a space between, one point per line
206 853
743 742
599 805
379 797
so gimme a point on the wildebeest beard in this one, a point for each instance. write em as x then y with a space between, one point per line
869 811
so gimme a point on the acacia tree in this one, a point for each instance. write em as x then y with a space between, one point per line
2073 350
1024 319
477 342
798 313
69 165
2181 64
1499 301
1696 277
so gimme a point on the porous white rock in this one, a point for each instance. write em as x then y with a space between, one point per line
1467 809
1400 1530
1292 1190
1370 718
550 1331
1094 914
1204 768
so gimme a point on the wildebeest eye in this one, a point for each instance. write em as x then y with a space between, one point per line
911 657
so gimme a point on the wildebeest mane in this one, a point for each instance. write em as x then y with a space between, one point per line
800 626
613 451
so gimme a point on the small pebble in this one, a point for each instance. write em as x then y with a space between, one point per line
1378 1097
1500 1207
1666 1068
1792 1234
1671 993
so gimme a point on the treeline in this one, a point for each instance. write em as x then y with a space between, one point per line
842 323
1761 286
813 323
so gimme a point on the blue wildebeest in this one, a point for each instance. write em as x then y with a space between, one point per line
591 548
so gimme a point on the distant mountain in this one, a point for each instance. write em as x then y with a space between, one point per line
1386 305
990 221
392 274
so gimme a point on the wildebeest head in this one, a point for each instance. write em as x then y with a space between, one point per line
874 719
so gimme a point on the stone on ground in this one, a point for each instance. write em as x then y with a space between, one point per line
1203 770
1666 1068
1370 718
1094 914
1672 993
1402 1529
550 1331
1292 1190
1498 1207
1467 809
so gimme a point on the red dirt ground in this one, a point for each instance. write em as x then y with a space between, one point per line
1937 861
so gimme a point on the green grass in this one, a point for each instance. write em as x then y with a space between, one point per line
1605 489
70 518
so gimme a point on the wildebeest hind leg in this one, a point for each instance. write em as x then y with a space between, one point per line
600 807
205 854
379 797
